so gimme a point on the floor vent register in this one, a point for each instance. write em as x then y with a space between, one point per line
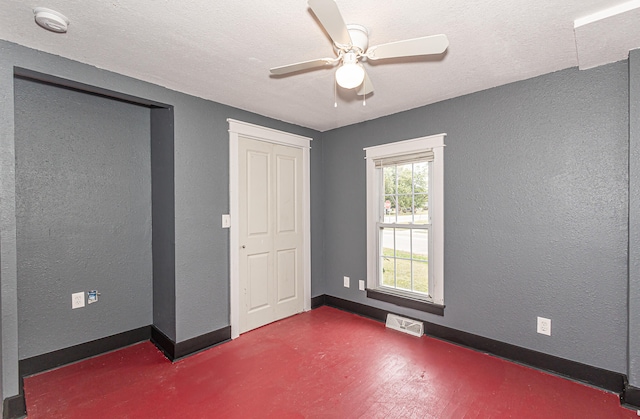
406 325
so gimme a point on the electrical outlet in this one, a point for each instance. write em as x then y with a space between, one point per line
346 282
77 300
361 285
544 326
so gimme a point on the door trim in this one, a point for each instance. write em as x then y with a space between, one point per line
269 135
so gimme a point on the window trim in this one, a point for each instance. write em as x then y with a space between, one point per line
436 209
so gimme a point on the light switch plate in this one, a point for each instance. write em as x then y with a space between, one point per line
226 221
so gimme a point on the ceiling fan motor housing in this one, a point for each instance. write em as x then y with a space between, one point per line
359 37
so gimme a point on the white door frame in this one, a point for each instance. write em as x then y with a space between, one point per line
256 132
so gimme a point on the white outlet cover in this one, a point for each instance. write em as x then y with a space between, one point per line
361 285
346 282
544 326
77 300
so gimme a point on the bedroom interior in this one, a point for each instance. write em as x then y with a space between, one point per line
116 166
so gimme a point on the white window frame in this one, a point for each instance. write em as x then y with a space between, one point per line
436 210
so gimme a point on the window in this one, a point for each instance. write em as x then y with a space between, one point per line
405 223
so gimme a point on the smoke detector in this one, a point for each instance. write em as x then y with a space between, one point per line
51 20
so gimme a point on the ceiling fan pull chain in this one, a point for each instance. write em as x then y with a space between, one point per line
335 93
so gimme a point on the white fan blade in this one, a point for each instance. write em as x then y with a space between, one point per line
435 44
305 65
366 87
329 15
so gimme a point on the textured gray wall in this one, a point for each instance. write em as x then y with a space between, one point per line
634 218
317 221
8 246
535 211
83 210
201 153
163 217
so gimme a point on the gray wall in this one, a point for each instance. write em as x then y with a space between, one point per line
8 248
634 219
317 221
201 153
83 210
163 216
535 207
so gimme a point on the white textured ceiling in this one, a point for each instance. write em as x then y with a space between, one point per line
222 51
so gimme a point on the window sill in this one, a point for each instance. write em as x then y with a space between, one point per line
407 302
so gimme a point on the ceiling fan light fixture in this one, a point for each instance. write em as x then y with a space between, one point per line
350 74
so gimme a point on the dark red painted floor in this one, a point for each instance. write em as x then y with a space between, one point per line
322 364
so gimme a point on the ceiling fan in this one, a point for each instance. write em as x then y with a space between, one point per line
351 43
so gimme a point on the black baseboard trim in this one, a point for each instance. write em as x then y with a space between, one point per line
317 301
50 360
202 342
163 343
631 397
595 376
176 351
14 407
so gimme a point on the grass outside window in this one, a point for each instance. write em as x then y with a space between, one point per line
398 268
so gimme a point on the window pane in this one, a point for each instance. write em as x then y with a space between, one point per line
389 174
420 244
405 181
405 208
420 276
387 240
403 255
403 243
388 271
403 274
421 192
421 177
421 215
416 213
389 209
